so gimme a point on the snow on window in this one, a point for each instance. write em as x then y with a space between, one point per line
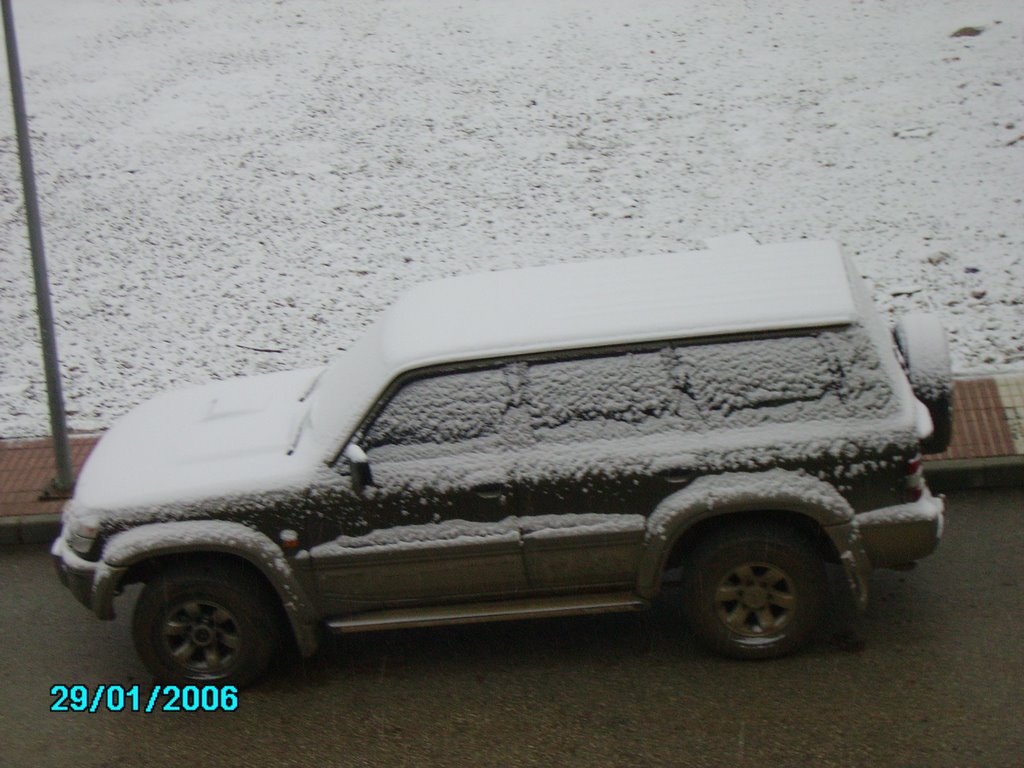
785 380
747 383
444 409
866 387
623 390
709 407
721 406
706 387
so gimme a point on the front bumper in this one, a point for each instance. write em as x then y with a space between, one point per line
94 584
897 536
76 574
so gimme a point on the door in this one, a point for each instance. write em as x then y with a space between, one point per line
438 524
584 506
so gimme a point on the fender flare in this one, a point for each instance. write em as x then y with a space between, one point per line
136 545
733 492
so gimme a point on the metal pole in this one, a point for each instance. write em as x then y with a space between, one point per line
65 480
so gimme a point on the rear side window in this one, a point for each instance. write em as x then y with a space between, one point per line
866 388
746 383
442 413
833 374
599 397
702 387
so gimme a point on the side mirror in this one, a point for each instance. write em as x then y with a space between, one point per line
359 466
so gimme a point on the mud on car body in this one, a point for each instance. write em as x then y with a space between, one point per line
529 443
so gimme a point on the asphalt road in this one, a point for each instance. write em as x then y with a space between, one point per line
932 675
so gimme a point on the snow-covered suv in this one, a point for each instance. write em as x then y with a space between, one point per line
530 443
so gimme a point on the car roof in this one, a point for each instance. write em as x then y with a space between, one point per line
733 288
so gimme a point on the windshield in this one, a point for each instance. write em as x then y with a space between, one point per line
346 390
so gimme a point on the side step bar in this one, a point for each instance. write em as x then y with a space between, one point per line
474 613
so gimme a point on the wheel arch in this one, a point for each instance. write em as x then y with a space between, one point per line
780 497
706 526
138 554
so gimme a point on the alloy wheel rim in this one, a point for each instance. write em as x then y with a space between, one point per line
756 600
202 636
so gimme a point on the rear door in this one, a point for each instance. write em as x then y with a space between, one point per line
587 485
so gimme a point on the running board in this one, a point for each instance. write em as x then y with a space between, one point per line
473 613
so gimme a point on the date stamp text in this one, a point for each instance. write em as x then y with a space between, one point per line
136 698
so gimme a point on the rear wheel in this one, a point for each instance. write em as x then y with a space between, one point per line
754 592
205 624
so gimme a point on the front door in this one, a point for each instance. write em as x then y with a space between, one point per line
438 524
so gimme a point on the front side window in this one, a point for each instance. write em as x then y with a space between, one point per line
441 414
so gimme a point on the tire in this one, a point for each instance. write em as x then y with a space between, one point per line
754 592
921 341
207 623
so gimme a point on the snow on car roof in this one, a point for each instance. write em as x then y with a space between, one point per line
727 289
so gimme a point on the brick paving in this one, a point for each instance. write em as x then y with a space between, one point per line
980 427
988 423
27 467
1011 392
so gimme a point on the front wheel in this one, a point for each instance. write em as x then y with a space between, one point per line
754 592
205 624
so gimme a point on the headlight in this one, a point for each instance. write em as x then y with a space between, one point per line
82 532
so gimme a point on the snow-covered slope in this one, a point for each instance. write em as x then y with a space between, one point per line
233 187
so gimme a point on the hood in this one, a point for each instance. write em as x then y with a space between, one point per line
225 439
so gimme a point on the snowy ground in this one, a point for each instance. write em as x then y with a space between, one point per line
232 187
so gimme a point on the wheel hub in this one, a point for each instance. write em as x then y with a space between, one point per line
754 598
203 635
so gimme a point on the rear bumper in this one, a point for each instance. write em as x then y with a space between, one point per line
897 536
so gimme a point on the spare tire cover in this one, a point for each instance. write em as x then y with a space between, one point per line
921 340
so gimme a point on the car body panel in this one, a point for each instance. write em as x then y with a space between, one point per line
548 460
216 440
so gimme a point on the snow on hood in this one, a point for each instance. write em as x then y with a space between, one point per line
222 439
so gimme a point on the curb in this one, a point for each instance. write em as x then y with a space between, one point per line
29 529
967 474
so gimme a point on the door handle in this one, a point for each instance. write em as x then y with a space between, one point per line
494 491
677 476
